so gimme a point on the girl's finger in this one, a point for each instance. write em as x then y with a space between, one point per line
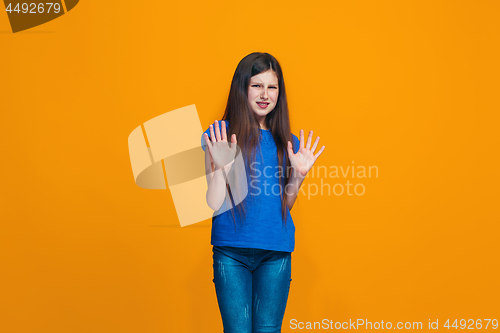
233 143
223 134
308 145
315 144
209 145
301 138
207 139
319 152
289 148
212 135
217 131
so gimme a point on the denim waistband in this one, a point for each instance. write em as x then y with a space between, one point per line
244 250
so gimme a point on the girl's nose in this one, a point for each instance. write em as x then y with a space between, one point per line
263 94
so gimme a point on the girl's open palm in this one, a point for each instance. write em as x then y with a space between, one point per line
222 155
304 159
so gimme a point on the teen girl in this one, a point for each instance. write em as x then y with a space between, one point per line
253 242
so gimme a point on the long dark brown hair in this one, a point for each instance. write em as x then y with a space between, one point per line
243 122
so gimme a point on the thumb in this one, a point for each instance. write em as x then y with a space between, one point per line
233 142
289 148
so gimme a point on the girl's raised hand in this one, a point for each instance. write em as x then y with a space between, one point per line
222 155
304 159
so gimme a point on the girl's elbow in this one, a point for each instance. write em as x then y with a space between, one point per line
213 204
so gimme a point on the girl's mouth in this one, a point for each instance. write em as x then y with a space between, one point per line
263 105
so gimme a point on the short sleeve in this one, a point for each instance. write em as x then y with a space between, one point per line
295 143
203 143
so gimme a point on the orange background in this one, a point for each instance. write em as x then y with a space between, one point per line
408 86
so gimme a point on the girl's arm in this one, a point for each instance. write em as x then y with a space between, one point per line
301 163
292 188
216 192
218 156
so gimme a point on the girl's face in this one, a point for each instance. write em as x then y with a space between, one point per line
263 94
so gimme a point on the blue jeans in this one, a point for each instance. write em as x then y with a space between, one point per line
252 288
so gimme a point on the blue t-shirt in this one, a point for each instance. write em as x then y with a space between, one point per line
263 227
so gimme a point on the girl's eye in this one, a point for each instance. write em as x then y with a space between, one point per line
258 85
